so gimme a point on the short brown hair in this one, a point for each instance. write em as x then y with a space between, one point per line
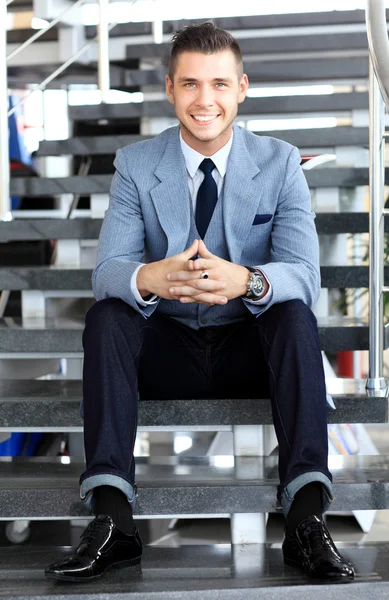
205 38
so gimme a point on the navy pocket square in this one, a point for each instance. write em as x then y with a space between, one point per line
260 219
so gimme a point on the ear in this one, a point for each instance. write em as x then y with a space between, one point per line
243 86
169 89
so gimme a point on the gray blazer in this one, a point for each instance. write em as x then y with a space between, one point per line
267 217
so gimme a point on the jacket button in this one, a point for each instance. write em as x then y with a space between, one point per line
204 321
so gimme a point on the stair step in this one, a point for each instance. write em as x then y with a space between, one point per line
264 22
277 43
254 571
297 70
100 184
49 229
251 106
74 278
62 336
45 278
52 405
108 144
57 229
45 487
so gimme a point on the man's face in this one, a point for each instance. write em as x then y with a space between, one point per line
206 90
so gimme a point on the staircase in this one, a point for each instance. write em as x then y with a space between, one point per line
326 47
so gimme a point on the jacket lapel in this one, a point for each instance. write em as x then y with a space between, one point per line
241 196
171 197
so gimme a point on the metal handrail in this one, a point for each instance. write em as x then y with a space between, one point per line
103 36
58 71
5 204
377 35
41 32
378 93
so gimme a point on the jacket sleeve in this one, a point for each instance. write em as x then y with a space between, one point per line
121 242
294 270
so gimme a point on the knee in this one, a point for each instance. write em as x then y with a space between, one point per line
106 314
295 314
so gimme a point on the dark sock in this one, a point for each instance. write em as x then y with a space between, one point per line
109 500
307 502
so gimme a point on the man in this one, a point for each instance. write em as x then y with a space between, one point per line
207 266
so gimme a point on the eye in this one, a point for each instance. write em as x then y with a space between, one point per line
220 84
189 85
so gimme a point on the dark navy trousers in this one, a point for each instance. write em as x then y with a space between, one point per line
275 355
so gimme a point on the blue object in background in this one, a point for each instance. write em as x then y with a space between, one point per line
21 444
17 147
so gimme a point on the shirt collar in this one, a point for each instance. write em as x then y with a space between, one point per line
193 159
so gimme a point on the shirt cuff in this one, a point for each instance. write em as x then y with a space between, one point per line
134 289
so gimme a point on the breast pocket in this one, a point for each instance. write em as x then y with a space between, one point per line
261 219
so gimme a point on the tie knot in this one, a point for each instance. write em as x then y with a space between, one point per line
207 166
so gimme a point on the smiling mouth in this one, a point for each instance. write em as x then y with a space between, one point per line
204 119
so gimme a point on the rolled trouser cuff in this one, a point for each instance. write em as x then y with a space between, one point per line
299 482
89 483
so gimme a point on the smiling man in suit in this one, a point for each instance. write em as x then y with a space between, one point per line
207 268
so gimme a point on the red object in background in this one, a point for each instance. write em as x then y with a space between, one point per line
307 157
345 363
20 169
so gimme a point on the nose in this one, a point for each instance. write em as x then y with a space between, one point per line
205 96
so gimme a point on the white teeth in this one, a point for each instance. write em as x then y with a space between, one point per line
203 118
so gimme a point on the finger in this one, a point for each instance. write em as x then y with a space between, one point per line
201 264
197 287
204 298
193 277
203 250
183 276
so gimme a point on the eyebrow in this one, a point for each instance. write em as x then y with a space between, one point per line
194 80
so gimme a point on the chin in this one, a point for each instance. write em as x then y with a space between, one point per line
204 136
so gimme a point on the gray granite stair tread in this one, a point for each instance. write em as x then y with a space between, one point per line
39 324
267 21
58 323
181 471
317 41
62 336
94 145
18 389
49 229
347 177
251 106
50 405
213 571
46 488
40 229
79 278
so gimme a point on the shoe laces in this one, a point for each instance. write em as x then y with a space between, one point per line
89 535
319 537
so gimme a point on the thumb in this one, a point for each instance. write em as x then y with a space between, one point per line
203 250
191 251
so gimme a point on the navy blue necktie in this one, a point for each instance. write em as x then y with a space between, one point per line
206 197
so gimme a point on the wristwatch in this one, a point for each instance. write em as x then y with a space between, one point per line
255 285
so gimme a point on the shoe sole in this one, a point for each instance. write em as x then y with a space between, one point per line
338 579
124 564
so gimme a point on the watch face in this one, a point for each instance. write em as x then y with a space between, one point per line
257 285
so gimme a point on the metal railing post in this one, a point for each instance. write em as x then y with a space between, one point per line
376 380
103 41
5 205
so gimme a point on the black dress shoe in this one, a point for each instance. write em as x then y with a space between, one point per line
102 546
311 548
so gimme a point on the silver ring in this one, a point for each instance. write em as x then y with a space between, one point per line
204 275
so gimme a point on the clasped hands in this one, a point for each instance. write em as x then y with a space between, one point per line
179 277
